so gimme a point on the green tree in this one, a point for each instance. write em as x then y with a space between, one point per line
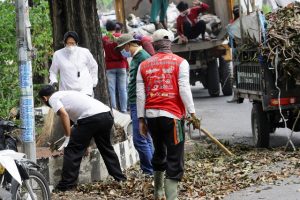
41 40
9 90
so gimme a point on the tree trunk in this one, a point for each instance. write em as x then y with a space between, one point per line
80 16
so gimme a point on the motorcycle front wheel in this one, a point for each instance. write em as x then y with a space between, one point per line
38 184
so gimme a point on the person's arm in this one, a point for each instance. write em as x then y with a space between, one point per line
137 5
93 68
65 119
53 71
200 6
184 87
140 102
140 95
180 32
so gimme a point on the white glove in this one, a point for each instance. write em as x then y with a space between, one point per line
66 142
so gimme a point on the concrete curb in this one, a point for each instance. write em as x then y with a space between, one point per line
92 167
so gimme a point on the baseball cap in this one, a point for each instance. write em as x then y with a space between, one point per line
162 34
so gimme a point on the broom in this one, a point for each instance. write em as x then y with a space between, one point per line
46 130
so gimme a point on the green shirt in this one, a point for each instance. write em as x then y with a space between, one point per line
137 59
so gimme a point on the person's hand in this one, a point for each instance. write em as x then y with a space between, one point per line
135 7
196 122
87 152
65 143
197 3
143 127
183 39
55 85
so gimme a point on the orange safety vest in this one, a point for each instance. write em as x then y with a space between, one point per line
160 74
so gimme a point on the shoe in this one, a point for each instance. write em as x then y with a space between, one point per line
59 189
233 100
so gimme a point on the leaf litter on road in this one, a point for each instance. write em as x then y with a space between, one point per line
209 174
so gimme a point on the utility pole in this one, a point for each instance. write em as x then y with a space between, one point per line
25 78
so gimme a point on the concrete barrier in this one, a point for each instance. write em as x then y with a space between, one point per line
92 167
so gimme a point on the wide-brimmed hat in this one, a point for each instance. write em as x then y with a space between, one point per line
124 39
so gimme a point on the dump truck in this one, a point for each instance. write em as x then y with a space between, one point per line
209 60
275 96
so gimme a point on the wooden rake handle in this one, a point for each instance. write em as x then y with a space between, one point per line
216 141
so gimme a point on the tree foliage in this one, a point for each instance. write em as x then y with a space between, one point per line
41 40
105 5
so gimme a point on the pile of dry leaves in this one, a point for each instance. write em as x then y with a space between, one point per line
209 174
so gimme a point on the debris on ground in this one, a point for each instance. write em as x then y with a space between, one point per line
209 174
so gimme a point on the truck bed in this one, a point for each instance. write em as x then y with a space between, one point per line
199 45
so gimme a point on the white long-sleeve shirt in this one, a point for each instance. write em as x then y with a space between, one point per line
77 71
184 91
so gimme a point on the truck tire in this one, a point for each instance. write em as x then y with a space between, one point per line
213 79
260 126
225 77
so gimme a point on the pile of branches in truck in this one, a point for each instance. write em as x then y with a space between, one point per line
283 40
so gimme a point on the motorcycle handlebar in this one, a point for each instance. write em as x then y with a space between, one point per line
9 124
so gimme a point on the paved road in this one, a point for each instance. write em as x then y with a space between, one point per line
231 121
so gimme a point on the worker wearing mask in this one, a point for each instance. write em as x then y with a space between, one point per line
92 119
188 26
129 46
75 66
163 98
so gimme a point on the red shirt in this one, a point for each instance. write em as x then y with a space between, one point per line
160 74
192 17
147 45
113 58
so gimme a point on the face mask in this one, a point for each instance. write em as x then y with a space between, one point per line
70 49
125 53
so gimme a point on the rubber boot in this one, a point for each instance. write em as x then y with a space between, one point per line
159 193
171 189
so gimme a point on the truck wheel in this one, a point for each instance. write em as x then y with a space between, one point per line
213 78
225 77
260 126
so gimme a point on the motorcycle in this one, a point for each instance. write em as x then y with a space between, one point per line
19 176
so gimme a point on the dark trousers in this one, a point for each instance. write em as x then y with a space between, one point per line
97 127
192 32
168 139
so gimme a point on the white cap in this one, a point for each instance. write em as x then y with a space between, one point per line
162 34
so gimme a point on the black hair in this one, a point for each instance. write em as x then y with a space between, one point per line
182 6
46 90
72 34
236 11
119 26
110 25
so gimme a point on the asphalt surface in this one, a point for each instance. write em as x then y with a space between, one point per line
232 122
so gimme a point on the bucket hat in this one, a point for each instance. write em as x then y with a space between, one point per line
124 39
